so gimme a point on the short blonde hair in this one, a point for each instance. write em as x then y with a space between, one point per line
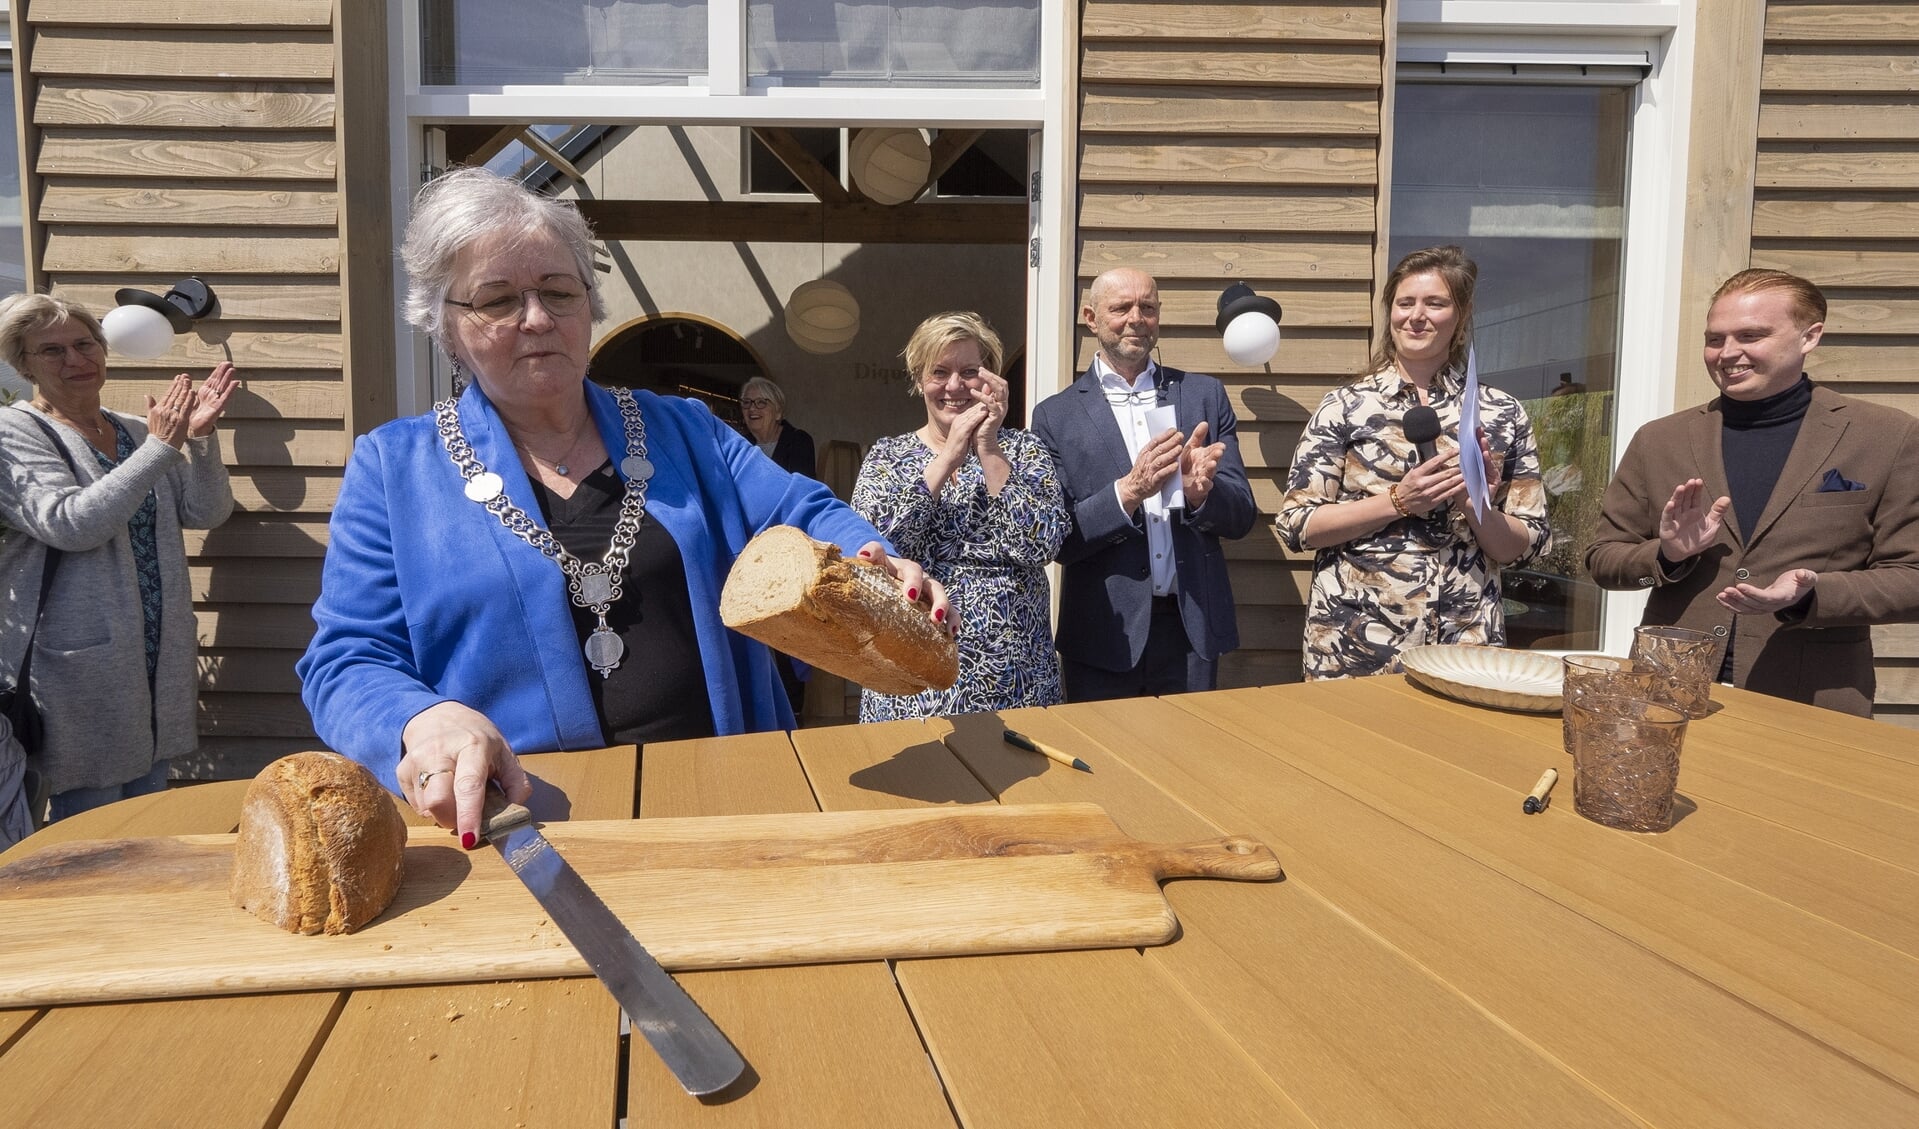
942 331
22 315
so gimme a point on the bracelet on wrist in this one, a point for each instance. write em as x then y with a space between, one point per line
1392 493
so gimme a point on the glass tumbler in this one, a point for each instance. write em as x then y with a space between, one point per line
1607 676
1626 761
1686 657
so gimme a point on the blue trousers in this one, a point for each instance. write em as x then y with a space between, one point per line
77 800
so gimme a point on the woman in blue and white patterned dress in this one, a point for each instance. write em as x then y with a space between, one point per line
980 507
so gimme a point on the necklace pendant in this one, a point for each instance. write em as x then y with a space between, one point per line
596 588
485 486
604 650
562 468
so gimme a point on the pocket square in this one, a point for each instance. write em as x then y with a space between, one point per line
1834 482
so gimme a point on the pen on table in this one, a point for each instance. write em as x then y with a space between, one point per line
1541 795
1021 740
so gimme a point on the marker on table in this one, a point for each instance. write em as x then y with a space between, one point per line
1541 795
1021 740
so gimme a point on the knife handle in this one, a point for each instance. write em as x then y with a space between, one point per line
500 815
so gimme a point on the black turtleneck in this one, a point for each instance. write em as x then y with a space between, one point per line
1755 438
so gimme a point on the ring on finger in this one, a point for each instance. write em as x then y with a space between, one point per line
422 779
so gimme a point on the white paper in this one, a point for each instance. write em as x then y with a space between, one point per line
1471 465
1172 494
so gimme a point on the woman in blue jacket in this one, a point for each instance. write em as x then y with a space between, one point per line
537 563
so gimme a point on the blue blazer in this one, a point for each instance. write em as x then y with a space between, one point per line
1106 590
427 598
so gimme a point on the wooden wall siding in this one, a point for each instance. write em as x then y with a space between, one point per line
1239 142
169 139
1836 198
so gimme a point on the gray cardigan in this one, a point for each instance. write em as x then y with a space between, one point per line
89 658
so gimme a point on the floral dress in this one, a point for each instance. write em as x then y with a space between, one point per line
1419 579
990 553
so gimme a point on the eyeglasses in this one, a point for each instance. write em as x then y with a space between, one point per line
505 306
86 347
756 402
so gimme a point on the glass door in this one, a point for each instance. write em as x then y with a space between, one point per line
1530 178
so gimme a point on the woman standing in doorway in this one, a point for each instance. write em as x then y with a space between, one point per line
1400 558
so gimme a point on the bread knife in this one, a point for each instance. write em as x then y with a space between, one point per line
686 1039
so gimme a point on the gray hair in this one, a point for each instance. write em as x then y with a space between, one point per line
469 204
772 391
22 315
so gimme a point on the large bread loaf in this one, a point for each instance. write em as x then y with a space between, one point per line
321 845
846 617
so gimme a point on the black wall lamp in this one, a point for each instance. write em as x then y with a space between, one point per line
143 325
1249 323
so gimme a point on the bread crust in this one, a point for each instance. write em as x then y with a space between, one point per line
321 847
846 617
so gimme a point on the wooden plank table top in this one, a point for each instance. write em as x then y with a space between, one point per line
1433 957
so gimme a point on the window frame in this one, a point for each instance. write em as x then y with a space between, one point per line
727 97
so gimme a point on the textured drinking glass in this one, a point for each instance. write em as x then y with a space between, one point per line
1686 657
1608 676
1626 761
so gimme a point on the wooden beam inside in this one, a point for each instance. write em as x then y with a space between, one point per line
803 165
947 148
530 138
853 222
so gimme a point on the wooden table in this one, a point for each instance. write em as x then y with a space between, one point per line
1433 958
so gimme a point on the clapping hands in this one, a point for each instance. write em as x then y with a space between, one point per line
1687 526
182 412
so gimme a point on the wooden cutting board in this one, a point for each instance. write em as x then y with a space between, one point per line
150 918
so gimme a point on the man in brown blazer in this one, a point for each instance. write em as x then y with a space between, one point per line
1781 517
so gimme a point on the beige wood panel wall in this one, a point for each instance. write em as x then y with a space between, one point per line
168 139
1228 142
1836 199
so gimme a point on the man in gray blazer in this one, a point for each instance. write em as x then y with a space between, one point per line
1145 605
1781 517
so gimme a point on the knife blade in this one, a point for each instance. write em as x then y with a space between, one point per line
686 1038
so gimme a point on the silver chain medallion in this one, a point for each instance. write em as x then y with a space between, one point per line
593 586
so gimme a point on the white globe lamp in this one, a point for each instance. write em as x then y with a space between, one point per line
142 326
822 316
890 165
1249 325
137 332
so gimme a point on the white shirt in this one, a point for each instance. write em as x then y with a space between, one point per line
1129 401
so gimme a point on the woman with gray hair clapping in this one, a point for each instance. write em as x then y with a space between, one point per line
101 613
536 564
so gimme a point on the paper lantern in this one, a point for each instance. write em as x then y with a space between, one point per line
890 165
822 316
137 332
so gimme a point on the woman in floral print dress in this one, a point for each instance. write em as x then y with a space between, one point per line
980 507
1400 559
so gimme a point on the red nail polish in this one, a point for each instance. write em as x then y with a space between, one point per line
468 840
866 554
939 616
912 594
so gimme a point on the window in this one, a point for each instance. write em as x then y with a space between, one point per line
573 42
1549 139
1530 179
13 255
897 43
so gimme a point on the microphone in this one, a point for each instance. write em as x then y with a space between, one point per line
1421 425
